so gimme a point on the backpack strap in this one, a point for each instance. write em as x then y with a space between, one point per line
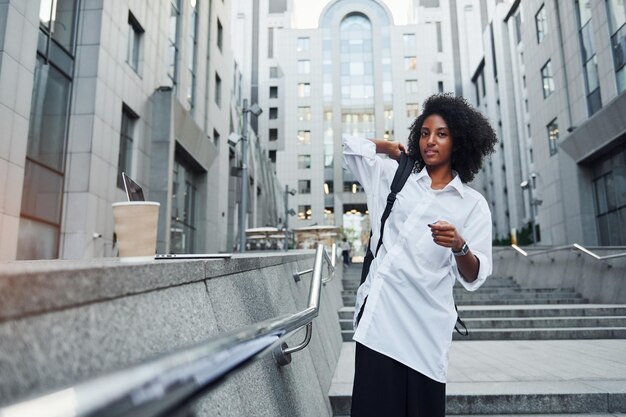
460 322
405 167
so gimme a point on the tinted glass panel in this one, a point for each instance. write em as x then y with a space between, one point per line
48 116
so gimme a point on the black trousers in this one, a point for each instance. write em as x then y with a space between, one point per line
384 387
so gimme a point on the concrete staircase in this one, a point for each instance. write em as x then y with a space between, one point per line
543 351
502 310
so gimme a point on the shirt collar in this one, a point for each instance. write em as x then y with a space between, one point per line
456 182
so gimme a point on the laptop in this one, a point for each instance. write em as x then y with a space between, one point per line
134 192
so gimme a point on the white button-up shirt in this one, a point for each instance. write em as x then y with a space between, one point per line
409 315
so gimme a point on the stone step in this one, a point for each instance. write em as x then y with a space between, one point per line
515 295
515 405
465 295
545 322
531 323
541 310
522 301
518 311
349 300
574 333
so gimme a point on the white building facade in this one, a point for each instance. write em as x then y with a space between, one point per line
553 78
94 88
357 67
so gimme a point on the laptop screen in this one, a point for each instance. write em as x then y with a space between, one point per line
134 191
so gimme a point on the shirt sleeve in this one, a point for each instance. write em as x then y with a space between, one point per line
360 158
477 234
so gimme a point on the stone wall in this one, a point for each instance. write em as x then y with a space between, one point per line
599 281
62 322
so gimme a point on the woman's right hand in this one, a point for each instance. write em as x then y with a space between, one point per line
393 149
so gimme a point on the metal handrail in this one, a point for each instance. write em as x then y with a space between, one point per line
171 382
333 258
569 247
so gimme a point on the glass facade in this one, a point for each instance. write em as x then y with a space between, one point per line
617 26
184 198
610 197
125 157
172 44
58 18
135 36
588 55
541 24
547 79
553 136
44 168
191 61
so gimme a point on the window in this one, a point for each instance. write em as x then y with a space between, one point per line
304 66
184 199
270 42
305 213
273 72
440 86
125 156
135 35
44 169
218 90
273 92
588 54
617 26
409 40
609 185
220 34
191 64
518 26
303 44
56 18
304 186
541 23
172 44
304 113
304 89
411 86
216 137
412 110
439 40
277 6
273 113
553 136
273 135
547 80
304 161
272 156
304 137
410 62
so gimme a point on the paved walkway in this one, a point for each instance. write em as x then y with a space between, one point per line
522 367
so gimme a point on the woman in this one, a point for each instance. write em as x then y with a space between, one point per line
439 230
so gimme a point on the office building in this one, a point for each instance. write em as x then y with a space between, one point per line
89 89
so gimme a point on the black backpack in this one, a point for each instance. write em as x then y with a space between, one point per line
405 167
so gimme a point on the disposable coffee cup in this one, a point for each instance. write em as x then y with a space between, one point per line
136 224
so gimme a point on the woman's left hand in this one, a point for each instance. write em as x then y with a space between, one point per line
446 235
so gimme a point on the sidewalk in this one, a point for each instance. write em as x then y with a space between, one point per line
523 377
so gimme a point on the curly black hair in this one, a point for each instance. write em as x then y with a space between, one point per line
473 138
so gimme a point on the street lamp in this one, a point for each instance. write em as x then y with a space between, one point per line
288 212
534 202
256 110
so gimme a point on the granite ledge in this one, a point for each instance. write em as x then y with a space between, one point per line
34 287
